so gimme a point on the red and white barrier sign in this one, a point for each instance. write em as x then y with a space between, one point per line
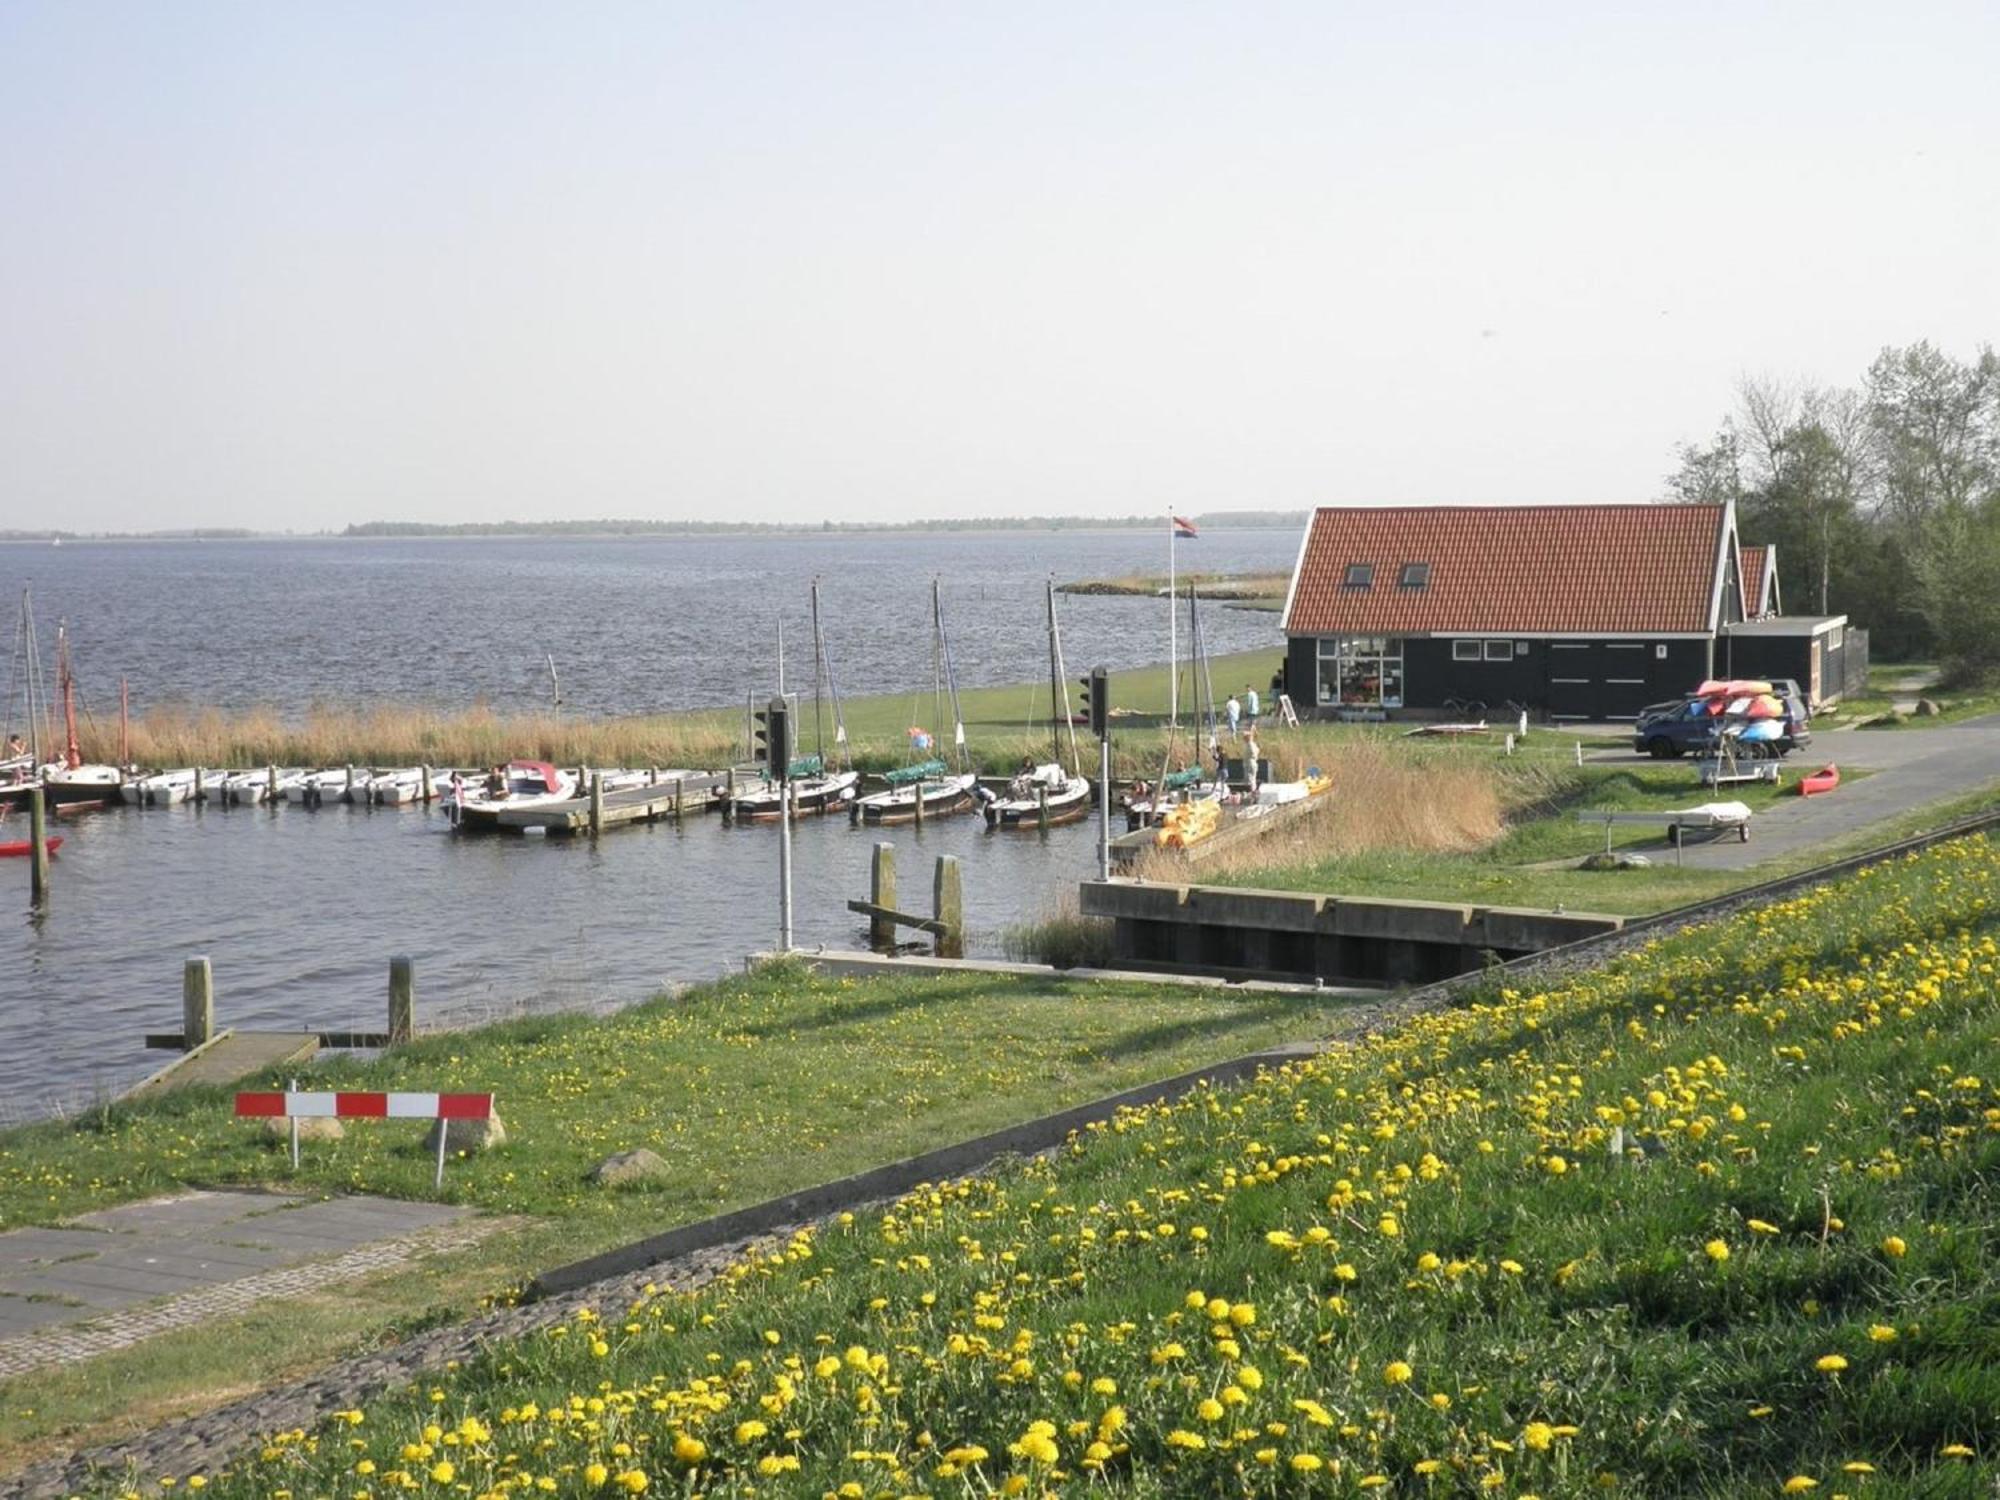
293 1105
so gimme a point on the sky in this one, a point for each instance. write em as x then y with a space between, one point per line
291 266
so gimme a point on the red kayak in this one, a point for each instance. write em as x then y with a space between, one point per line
23 846
1825 779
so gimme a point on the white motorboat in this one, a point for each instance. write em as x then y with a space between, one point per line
248 788
170 788
524 783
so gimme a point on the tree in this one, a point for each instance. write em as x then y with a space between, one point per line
1936 428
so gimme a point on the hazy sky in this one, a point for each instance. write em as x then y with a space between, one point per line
289 265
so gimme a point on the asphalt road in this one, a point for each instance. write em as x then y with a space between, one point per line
1913 768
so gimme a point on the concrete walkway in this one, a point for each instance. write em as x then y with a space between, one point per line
1912 768
108 1279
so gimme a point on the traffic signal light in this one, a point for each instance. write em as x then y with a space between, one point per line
1097 701
771 742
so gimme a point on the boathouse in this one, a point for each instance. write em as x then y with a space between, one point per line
1571 612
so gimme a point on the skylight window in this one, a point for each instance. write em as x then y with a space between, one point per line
1359 576
1415 575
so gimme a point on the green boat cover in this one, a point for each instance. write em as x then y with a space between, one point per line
807 765
917 772
1177 779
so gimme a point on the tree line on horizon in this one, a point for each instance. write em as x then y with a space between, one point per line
1883 499
634 527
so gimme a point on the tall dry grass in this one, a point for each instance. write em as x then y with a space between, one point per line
1386 796
393 734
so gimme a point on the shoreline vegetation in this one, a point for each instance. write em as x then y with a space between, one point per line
1250 590
1002 724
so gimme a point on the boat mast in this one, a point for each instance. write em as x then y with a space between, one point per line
819 672
72 755
124 722
951 686
937 670
1059 687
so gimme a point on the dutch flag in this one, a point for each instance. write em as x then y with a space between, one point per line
1184 529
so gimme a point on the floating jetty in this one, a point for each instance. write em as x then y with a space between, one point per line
669 797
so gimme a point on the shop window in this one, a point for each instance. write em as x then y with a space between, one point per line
1465 651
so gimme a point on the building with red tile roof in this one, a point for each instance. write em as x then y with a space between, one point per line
1568 611
1759 566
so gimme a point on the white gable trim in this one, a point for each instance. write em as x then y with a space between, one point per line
1298 566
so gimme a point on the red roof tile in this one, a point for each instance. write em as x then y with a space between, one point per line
1511 569
1755 562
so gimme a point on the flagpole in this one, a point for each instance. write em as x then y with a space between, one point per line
1173 632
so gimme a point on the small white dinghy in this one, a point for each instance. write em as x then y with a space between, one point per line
169 788
393 788
248 788
315 787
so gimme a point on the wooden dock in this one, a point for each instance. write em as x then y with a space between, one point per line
666 798
1234 830
228 1056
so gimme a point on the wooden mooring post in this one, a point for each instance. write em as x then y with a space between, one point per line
402 999
271 784
348 791
1042 806
946 924
597 804
38 847
427 785
197 1003
200 792
948 909
729 794
882 891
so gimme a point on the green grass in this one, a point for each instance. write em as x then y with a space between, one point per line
1533 863
1424 1265
747 1088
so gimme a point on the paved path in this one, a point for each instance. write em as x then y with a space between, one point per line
106 1280
1912 769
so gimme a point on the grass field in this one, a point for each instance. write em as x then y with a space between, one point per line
1713 1220
747 1088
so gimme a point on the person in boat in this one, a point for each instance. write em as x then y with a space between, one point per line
1138 792
1023 784
496 782
17 750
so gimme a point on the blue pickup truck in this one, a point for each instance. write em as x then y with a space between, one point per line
1684 727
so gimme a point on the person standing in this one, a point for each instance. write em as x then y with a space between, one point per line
1250 707
1250 766
1232 711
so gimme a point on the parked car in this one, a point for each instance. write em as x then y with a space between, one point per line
1665 730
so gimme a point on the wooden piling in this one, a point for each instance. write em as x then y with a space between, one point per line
882 891
427 783
919 790
729 794
402 998
38 847
948 907
1042 805
200 794
197 1003
348 792
271 784
597 804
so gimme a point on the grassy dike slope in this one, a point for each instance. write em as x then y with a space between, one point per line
1421 1266
748 1088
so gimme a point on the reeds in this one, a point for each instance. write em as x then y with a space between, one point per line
1062 936
1386 796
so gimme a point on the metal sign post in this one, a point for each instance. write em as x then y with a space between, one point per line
784 863
1104 808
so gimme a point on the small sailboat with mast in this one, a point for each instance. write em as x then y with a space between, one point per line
929 787
1049 792
818 782
1186 778
69 783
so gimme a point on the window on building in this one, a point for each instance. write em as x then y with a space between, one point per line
1415 575
1361 671
1465 651
1499 650
1359 576
1836 637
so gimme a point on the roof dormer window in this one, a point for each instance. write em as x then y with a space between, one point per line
1415 576
1359 576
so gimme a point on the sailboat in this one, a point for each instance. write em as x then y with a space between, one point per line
1185 783
1063 792
71 783
929 787
815 786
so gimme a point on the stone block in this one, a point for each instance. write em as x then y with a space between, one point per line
625 1167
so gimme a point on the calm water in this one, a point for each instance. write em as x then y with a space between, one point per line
299 910
634 626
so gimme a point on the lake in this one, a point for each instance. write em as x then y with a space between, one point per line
300 910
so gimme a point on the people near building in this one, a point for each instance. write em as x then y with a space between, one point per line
1232 711
1250 706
